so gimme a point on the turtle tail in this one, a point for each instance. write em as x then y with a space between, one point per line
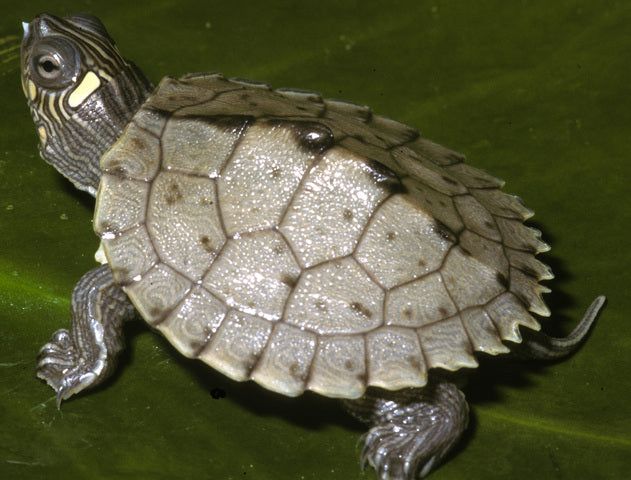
541 346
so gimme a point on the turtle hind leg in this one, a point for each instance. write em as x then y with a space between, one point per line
540 346
411 430
84 356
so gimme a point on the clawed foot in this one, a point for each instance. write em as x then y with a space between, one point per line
399 451
62 367
412 431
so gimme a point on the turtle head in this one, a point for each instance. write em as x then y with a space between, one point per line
80 91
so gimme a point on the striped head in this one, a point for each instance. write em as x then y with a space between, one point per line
80 91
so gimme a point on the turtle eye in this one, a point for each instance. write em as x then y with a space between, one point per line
54 63
49 67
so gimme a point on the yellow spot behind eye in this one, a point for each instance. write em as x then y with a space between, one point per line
41 131
32 90
87 86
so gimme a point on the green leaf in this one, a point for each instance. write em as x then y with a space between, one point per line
535 92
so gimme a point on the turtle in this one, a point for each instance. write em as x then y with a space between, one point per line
300 242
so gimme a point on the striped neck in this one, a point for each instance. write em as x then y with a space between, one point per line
74 147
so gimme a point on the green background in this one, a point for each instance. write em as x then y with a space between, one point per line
536 92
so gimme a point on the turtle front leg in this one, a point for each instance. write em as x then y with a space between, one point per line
84 356
412 430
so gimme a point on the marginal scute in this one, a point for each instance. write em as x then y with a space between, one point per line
419 303
336 297
395 359
518 236
158 292
284 365
529 290
183 221
527 263
439 205
446 345
395 133
171 95
508 313
254 274
502 204
121 204
300 96
469 281
436 153
482 332
427 173
477 218
339 368
399 243
130 254
349 109
186 143
236 346
261 177
191 325
474 177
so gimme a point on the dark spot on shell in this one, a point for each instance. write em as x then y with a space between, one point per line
443 312
442 204
502 280
174 194
361 309
362 378
349 365
414 362
289 280
444 231
206 243
138 143
407 313
449 180
421 263
253 104
348 215
294 371
117 169
321 305
278 249
155 311
205 201
391 236
489 224
276 172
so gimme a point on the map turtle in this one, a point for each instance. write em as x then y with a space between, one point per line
280 237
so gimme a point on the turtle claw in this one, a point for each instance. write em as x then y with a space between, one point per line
59 365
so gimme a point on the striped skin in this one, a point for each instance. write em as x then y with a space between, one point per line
77 121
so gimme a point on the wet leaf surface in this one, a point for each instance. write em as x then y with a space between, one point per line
535 92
